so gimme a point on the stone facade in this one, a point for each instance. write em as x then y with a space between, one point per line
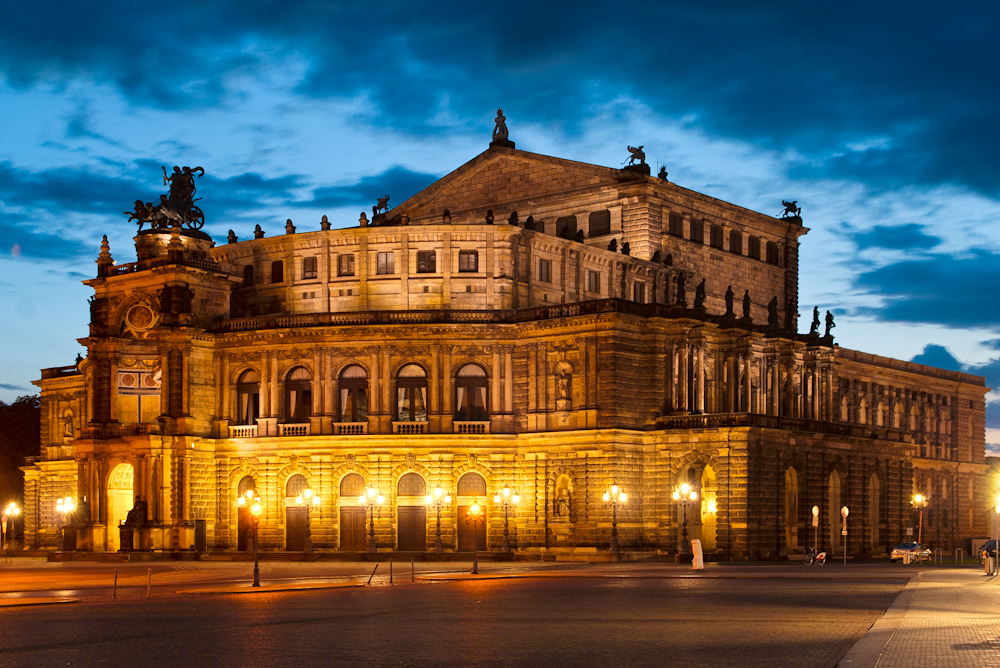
482 335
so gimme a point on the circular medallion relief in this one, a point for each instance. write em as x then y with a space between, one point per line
140 317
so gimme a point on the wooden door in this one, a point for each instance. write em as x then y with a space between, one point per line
244 531
353 536
412 528
467 533
295 529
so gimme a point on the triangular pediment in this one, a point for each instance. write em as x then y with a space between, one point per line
509 179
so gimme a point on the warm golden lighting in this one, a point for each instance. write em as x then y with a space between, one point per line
249 494
606 497
65 505
919 499
712 507
623 497
516 499
12 509
474 509
256 508
614 489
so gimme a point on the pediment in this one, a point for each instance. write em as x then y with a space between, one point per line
504 178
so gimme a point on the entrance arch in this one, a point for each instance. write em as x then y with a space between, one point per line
709 508
244 522
120 501
471 488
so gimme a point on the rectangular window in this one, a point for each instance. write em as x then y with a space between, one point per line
717 238
566 227
639 293
676 225
468 260
277 272
345 264
426 262
735 242
385 264
309 267
545 271
594 281
698 231
753 247
600 223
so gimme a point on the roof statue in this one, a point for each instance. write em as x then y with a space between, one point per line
814 327
829 323
381 206
175 208
636 154
791 210
500 135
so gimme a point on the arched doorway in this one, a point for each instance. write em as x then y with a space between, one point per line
833 518
120 501
709 508
244 523
791 510
471 535
352 514
295 514
411 513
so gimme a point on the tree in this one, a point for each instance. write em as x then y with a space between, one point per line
20 437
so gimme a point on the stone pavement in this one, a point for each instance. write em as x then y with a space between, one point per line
942 618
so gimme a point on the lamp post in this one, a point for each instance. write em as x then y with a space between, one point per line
995 535
508 500
438 499
844 512
815 512
307 500
475 517
373 499
919 501
251 500
614 497
685 494
65 507
10 514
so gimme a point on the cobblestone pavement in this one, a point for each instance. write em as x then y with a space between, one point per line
942 618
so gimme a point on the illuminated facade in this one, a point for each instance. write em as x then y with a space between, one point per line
490 332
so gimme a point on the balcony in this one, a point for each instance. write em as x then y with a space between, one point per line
243 431
294 429
114 431
409 427
472 427
350 428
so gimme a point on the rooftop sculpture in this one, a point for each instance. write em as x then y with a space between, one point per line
636 154
791 210
176 208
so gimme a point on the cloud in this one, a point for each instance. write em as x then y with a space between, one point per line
937 356
22 240
895 237
397 182
16 388
938 288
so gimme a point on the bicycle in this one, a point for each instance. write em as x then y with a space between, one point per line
814 557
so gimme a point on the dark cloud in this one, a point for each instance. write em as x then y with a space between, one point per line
937 356
939 288
895 237
21 240
64 190
397 182
810 76
16 388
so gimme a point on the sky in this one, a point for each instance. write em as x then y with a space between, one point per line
881 119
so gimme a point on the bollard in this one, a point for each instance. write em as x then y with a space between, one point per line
149 580
390 571
114 589
412 578
959 555
373 573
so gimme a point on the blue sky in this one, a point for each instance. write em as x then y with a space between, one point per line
880 119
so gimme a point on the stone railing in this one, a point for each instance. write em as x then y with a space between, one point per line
472 427
716 420
242 431
350 428
294 429
114 431
409 427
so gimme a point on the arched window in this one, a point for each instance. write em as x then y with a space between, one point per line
298 396
880 414
863 411
353 386
411 484
411 394
897 415
471 387
295 485
845 409
277 272
472 484
248 398
352 486
246 484
248 276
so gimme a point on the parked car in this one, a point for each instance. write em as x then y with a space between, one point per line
989 548
916 551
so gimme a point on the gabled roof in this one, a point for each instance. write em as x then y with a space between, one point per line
505 178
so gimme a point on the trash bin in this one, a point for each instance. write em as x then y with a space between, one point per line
989 565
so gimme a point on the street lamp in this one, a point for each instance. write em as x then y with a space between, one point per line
508 500
438 500
10 514
306 500
65 507
475 517
919 501
815 512
373 499
844 512
685 494
614 497
251 500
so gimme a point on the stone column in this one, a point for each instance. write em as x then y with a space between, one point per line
265 385
828 393
775 394
682 379
668 376
273 387
699 388
732 380
319 385
508 379
330 384
224 389
495 382
747 367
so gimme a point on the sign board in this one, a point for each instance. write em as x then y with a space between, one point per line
909 531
